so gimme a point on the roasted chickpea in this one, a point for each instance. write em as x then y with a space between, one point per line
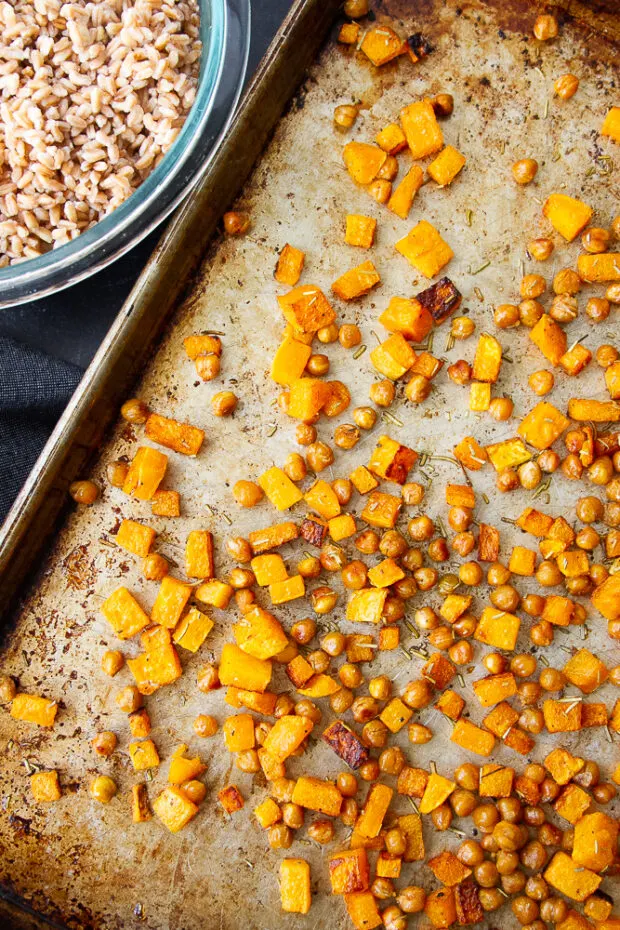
103 788
346 436
411 899
418 389
470 852
506 862
506 316
532 286
382 888
486 874
462 327
612 294
84 492
382 393
321 831
421 528
463 802
485 817
365 417
553 910
524 909
346 782
501 408
393 918
223 403
247 493
392 760
395 842
589 509
350 675
491 899
354 575
530 311
112 662
524 171
341 701
545 28
369 771
532 720
533 604
443 105
280 836
595 240
606 355
327 334
356 8
505 597
541 382
419 734
564 308
104 743
540 249
507 480
549 461
463 543
116 473
442 817
368 542
205 726
604 792
207 366
534 857
467 776
598 309
566 86
345 115
349 334
548 574
460 372
530 475
305 434
129 699
235 223
319 456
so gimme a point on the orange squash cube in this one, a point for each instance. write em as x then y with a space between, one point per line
307 397
290 589
422 131
170 602
424 248
576 882
214 593
366 605
501 720
535 522
488 359
550 338
174 808
543 425
135 537
612 380
143 755
342 527
394 357
382 510
360 230
290 265
239 732
349 33
306 308
522 561
599 411
562 765
199 554
322 498
381 44
349 871
450 704
389 638
317 795
180 437
395 715
385 573
356 282
243 671
391 139
496 781
290 361
572 803
567 215
562 716
575 359
438 670
362 909
611 124
192 630
231 799
470 454
45 787
586 671
407 317
488 543
267 813
268 568
447 869
599 268
403 195
438 789
375 808
596 838
495 688
279 488
362 480
411 826
295 891
440 908
391 460
388 866
124 614
146 473
606 597
467 735
412 782
479 397
446 166
166 504
347 746
363 162
498 628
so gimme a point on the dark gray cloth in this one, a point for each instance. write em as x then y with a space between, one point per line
34 390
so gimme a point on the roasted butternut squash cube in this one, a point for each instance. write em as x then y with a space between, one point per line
454 606
349 871
479 397
346 744
366 605
573 563
460 495
231 799
427 365
535 522
295 891
496 781
599 268
389 638
446 166
317 795
440 299
386 573
267 813
596 838
279 488
272 769
572 803
170 602
135 537
562 765
290 265
470 454
395 715
214 593
290 589
290 361
438 789
403 195
360 230
140 809
447 869
242 670
468 736
550 338
319 686
586 671
363 162
239 732
498 628
612 380
598 411
382 510
488 359
469 909
306 308
268 568
202 344
440 908
576 882
381 44
575 359
375 808
362 909
522 561
322 498
388 866
166 504
520 741
606 597
391 139
180 437
438 670
143 755
140 723
349 33
342 527
407 317
394 357
356 282
567 215
611 124
124 614
199 554
488 543
156 667
286 735
562 716
495 688
174 809
450 704
362 480
145 474
543 425
594 715
422 131
412 781
501 719
192 630
360 647
424 248
558 610
391 460
261 703
411 826
507 454
45 787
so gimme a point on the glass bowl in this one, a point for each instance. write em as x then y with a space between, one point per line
225 34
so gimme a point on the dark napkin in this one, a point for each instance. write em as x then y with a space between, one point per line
34 390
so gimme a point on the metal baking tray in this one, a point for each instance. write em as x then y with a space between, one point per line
76 864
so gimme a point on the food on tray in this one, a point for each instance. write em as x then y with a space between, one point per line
93 96
361 557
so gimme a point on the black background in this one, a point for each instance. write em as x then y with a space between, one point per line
71 324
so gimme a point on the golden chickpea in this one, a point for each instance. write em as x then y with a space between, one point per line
552 679
612 293
393 918
309 567
426 578
239 549
305 434
321 831
223 403
208 678
317 365
323 599
116 473
567 281
248 761
208 366
530 312
112 662
280 836
392 544
369 771
587 538
381 888
506 316
411 899
364 709
382 393
84 492
129 699
553 910
541 633
343 489
461 652
365 417
604 792
345 115
595 240
462 327
389 169
241 578
236 223
319 456
467 776
395 842
104 743
102 788
549 461
442 817
356 8
247 493
532 720
195 790
545 27
564 308
523 665
380 190
8 689
135 411
421 528
541 382
507 480
501 408
530 475
540 249
328 334
532 286
346 436
525 910
598 309
470 574
460 372
205 726
419 734
392 760
349 334
524 171
244 599
418 389
491 899
566 86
